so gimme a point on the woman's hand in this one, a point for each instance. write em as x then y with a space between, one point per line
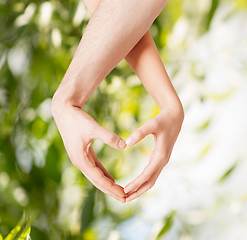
78 129
165 128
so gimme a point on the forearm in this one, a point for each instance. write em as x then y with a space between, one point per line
113 30
145 61
154 77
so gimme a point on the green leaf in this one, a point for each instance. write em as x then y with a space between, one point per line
214 5
87 214
168 222
222 96
25 235
21 230
12 235
205 150
228 172
204 125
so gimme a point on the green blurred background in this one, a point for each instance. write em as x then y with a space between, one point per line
202 192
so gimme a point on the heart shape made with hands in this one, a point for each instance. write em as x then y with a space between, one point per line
78 129
165 128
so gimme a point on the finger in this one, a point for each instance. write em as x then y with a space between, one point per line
141 132
110 138
155 162
100 165
91 170
144 187
121 199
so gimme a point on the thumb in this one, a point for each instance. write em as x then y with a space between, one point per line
140 133
110 138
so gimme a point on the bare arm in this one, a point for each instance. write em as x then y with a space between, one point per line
112 32
145 61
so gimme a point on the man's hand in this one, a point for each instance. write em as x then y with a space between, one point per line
78 129
165 128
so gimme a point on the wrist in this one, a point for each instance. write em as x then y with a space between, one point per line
59 103
68 94
174 106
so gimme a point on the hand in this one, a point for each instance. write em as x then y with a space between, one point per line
165 128
78 129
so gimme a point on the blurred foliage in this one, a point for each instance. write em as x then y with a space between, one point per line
228 172
37 42
167 224
21 230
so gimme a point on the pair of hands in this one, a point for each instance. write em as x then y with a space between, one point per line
78 129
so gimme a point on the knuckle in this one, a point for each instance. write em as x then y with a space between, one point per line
151 184
139 133
144 177
111 183
156 124
113 138
100 174
164 161
90 164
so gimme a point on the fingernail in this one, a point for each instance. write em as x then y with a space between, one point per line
129 141
121 143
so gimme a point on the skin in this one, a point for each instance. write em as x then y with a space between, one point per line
145 61
110 36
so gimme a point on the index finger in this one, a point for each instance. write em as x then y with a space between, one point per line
106 185
98 178
155 163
